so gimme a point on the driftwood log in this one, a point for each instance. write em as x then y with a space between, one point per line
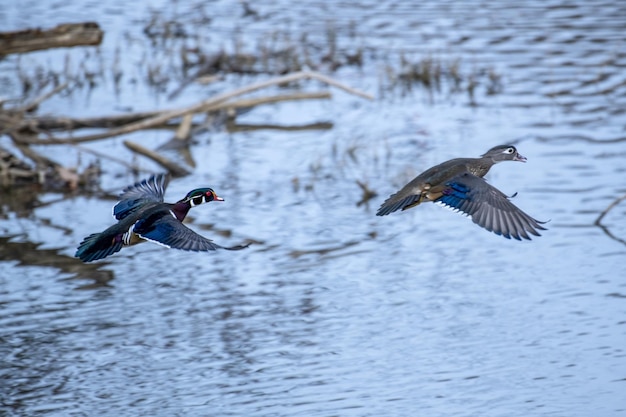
65 35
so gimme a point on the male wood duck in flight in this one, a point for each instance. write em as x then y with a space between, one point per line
142 215
459 184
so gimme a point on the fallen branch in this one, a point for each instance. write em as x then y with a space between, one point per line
66 35
180 141
184 129
253 102
212 104
241 127
40 160
45 170
65 123
175 169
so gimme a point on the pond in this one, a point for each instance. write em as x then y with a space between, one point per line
333 311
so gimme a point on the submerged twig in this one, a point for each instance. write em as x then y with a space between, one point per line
37 101
367 195
604 212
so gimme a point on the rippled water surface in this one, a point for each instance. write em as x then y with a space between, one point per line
334 311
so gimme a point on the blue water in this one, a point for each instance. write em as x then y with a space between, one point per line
334 311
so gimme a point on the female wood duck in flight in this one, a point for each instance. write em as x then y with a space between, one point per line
459 184
142 215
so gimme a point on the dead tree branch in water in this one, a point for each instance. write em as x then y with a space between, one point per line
215 103
49 123
37 101
174 168
66 35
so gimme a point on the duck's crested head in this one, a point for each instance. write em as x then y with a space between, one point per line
200 196
504 153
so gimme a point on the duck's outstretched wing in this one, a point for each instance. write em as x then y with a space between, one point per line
488 207
150 190
170 232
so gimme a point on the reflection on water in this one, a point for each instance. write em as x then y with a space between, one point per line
30 254
338 312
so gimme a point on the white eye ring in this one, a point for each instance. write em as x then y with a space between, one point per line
509 150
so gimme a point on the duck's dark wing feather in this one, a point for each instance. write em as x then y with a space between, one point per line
488 207
97 246
170 232
150 190
398 201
